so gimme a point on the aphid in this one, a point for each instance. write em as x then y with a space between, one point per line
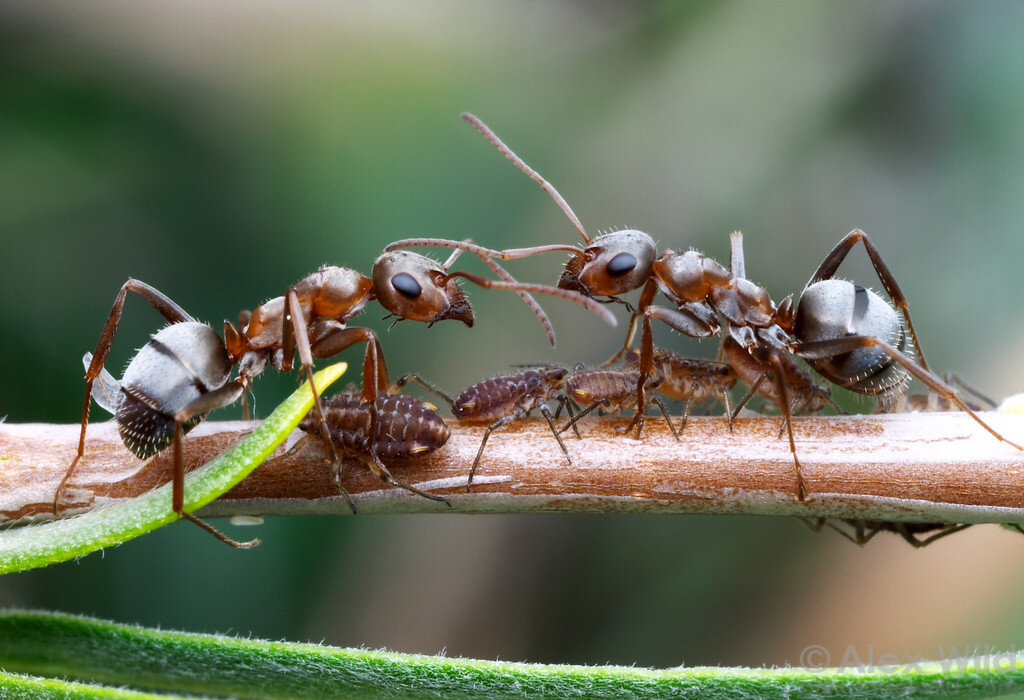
689 380
806 395
396 426
184 372
609 390
508 398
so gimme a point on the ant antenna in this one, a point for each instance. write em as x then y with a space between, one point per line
534 175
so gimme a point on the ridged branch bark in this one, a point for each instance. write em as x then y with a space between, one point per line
939 467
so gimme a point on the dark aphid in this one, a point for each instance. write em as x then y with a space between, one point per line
393 426
611 391
508 398
689 380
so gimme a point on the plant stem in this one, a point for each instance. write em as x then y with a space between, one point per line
937 467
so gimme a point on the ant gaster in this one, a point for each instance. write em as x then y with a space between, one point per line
184 372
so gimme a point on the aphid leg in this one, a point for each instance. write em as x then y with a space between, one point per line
829 348
564 400
832 261
409 378
159 301
378 468
748 396
218 398
296 335
585 412
554 431
728 411
487 433
656 400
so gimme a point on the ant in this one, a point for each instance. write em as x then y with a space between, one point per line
397 426
915 534
184 371
848 334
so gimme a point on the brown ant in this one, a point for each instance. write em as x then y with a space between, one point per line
848 334
184 371
397 426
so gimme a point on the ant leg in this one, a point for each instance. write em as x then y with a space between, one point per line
918 543
167 308
406 379
646 299
829 348
954 378
656 400
832 261
480 453
218 398
296 335
554 431
378 468
779 375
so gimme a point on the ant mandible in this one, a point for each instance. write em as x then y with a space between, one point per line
184 371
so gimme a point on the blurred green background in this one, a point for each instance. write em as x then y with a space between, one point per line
222 151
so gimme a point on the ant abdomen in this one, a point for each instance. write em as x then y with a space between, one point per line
404 426
162 379
832 309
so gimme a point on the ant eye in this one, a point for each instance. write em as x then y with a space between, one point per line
408 287
621 264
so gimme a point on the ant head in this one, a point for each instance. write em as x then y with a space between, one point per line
612 264
414 287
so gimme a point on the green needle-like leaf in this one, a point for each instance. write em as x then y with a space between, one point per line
94 651
39 545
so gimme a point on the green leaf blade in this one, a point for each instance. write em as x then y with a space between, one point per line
39 545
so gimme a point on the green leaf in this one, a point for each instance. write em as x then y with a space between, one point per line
39 545
53 644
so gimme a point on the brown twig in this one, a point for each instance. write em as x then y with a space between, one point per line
913 467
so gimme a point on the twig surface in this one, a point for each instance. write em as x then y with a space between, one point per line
938 467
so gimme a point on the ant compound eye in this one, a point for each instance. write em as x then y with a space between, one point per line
406 285
621 264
